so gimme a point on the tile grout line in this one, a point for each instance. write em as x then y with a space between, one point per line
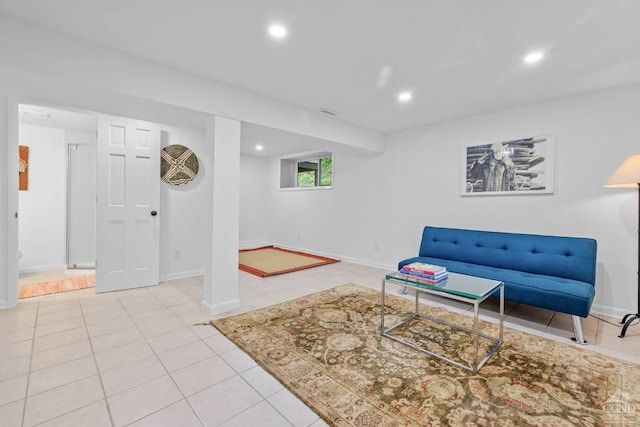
185 398
33 343
95 363
156 354
77 380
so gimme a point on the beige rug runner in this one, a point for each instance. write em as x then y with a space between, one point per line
327 349
270 260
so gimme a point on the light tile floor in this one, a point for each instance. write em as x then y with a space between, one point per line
144 358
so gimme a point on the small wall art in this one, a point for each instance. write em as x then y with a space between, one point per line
178 165
23 168
518 166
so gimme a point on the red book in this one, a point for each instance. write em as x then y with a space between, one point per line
428 269
417 277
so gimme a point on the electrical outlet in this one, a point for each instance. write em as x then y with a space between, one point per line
375 246
299 235
177 253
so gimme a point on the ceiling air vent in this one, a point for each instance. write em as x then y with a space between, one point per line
38 114
328 112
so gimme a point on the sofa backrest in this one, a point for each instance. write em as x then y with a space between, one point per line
568 257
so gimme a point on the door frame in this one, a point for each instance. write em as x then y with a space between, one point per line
12 242
11 197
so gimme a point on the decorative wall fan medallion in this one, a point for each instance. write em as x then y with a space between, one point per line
178 164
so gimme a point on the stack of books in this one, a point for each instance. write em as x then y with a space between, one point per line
432 274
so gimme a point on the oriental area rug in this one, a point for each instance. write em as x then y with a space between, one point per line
327 349
271 260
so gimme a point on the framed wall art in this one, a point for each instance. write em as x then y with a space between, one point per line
518 166
23 168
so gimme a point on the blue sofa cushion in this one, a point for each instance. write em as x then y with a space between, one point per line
557 294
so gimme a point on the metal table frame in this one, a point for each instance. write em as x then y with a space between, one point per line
448 294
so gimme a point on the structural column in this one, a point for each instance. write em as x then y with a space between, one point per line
223 217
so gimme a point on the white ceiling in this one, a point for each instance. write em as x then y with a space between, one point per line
460 57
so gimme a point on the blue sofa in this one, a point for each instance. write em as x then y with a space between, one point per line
552 272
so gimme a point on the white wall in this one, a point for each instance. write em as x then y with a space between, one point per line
182 210
42 208
384 201
255 208
183 233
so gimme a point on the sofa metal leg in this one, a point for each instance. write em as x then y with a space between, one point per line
577 330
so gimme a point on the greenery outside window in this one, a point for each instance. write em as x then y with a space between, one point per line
307 171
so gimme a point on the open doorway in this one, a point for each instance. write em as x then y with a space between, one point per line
57 200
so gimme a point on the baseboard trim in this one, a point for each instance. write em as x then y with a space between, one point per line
224 307
181 275
371 264
340 257
41 268
610 311
253 244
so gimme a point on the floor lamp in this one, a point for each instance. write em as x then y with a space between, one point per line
628 175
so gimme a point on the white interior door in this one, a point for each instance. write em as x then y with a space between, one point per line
128 196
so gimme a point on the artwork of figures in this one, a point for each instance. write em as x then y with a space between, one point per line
23 168
520 166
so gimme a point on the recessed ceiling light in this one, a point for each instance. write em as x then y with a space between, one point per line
405 96
533 57
259 147
277 31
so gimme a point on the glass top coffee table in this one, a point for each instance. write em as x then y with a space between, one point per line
459 287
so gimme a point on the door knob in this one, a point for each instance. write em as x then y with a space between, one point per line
154 213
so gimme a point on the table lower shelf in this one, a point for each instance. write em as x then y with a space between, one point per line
447 293
475 367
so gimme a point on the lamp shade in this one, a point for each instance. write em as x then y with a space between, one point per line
627 174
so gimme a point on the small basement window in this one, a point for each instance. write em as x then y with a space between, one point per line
307 171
